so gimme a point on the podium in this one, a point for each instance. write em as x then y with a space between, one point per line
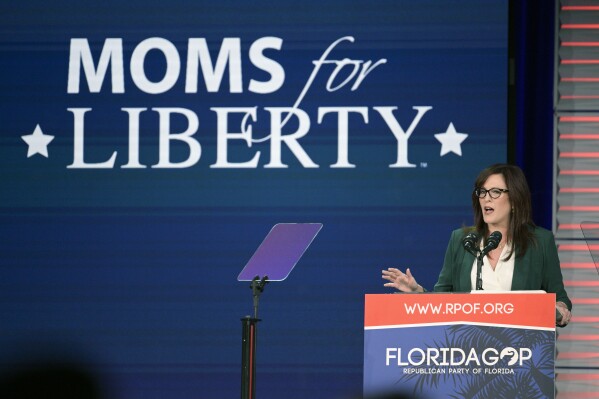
469 345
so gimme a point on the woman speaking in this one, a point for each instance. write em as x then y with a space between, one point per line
522 257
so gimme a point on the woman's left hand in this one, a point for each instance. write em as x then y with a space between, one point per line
566 314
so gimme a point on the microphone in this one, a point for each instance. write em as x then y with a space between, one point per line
469 243
492 242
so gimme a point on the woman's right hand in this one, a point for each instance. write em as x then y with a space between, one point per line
566 314
404 282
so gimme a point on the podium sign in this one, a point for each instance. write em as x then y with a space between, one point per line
443 345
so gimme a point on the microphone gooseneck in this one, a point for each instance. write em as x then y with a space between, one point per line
492 242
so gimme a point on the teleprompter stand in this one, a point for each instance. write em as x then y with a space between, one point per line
248 341
274 259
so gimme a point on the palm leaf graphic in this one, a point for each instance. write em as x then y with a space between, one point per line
500 387
543 382
485 337
531 381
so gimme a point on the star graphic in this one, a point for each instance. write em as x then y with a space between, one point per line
451 140
37 142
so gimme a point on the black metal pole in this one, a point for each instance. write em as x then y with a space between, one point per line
479 272
249 337
248 357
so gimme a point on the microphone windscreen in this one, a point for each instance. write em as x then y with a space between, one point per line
494 240
469 242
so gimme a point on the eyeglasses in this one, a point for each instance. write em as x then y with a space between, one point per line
493 192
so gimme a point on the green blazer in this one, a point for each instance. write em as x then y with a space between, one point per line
538 269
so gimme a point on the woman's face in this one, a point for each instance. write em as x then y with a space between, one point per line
496 211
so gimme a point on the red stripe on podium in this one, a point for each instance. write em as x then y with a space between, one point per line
579 155
580 8
572 283
579 172
578 377
581 62
579 190
585 301
577 247
533 310
582 208
578 265
579 119
578 337
581 79
580 97
585 319
578 395
577 355
580 44
580 26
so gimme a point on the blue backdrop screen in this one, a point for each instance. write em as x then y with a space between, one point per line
148 147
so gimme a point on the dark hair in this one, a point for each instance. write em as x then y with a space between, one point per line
519 231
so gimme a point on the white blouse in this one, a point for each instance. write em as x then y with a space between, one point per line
499 279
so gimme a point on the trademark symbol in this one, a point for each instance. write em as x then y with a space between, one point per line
423 165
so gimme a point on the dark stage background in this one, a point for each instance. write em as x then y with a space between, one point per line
120 255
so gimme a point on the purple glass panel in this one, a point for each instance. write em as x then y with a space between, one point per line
278 254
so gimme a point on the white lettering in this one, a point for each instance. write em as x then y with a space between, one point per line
230 53
80 55
342 131
173 65
490 356
276 71
390 356
223 135
317 65
400 135
276 137
78 144
525 354
166 136
133 138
